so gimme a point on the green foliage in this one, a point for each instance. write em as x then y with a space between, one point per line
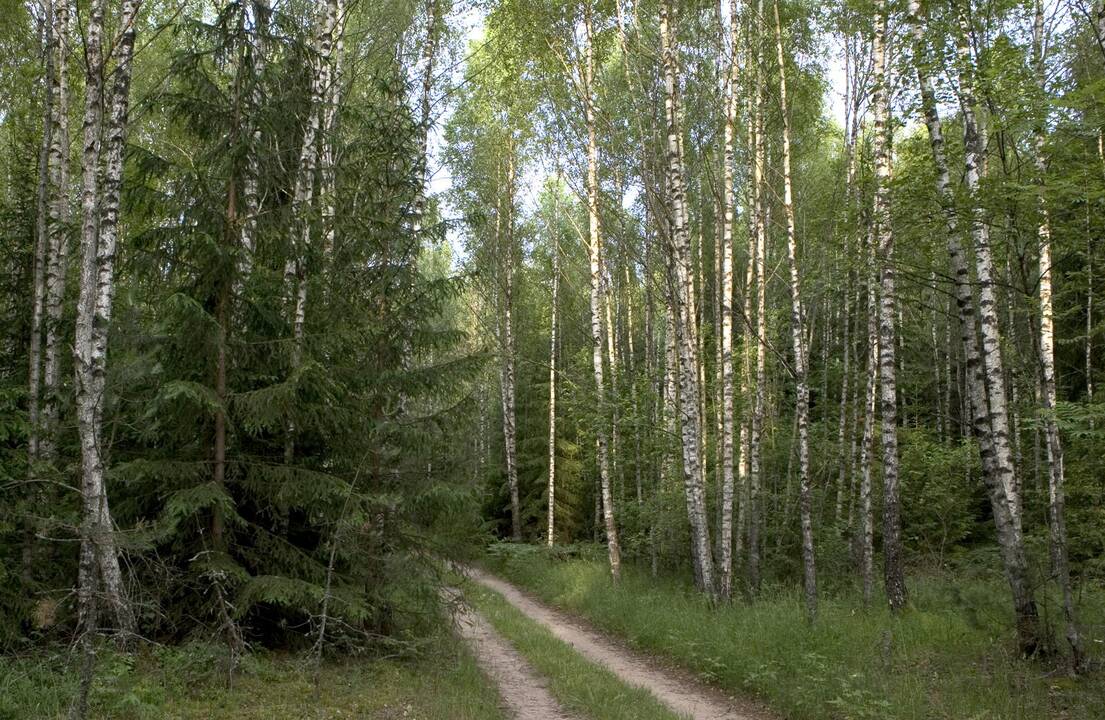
852 663
189 682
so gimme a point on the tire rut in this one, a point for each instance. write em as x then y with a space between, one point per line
523 693
678 690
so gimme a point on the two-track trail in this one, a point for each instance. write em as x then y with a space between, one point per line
524 694
676 689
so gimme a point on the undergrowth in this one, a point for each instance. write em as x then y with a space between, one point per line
951 655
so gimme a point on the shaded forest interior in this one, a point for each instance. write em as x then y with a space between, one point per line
793 302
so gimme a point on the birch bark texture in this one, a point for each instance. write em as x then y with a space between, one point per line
1060 567
986 422
594 253
798 338
505 231
550 534
42 201
58 228
726 298
683 296
101 187
894 574
295 268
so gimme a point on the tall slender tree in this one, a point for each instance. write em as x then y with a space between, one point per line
893 571
682 293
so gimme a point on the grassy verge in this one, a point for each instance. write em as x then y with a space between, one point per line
950 656
186 683
577 683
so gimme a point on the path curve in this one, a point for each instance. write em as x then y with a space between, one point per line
523 694
682 694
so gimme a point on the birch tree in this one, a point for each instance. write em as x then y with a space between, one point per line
594 252
295 269
725 305
504 237
798 337
59 230
1060 567
987 413
683 299
888 394
551 493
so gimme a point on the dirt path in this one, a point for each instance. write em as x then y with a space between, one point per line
524 695
678 690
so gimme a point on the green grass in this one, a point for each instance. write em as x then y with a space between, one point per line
951 655
186 683
578 684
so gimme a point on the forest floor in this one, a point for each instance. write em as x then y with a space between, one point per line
189 682
674 688
951 656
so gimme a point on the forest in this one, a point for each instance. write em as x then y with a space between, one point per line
591 359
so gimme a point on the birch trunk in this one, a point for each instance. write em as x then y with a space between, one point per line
755 469
510 440
725 304
684 296
996 466
893 572
42 241
866 535
99 236
798 336
594 247
327 189
429 56
552 382
1056 500
295 269
992 363
58 231
251 195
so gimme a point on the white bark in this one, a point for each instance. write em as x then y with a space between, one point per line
42 241
429 56
996 466
1056 499
725 304
866 535
58 231
798 337
594 248
550 535
99 236
510 431
888 394
295 270
256 31
684 297
755 465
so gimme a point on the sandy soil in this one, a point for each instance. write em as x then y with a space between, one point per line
523 693
676 689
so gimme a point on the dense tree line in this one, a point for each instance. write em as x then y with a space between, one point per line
821 331
228 316
763 292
